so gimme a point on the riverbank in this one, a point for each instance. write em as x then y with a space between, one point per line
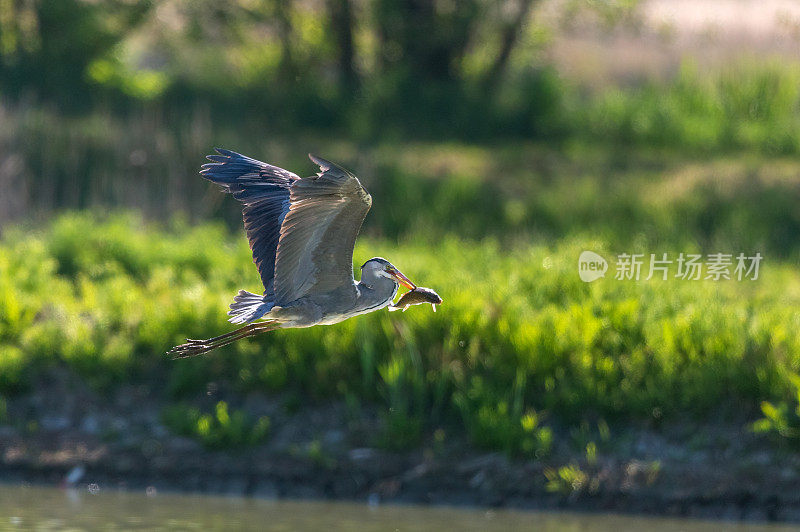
529 389
325 451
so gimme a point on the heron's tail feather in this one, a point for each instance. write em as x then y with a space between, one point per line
248 307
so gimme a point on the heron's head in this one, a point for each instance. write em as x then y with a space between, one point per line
379 267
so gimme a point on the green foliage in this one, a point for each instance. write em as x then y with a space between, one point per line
519 340
13 374
405 391
388 70
747 105
382 69
495 424
49 46
511 192
782 419
567 479
131 102
218 430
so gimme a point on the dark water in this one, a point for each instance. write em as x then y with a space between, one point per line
27 508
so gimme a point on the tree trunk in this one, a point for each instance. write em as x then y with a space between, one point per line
510 38
286 66
341 21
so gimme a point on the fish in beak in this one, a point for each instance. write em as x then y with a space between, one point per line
417 296
398 276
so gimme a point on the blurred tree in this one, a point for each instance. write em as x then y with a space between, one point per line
425 39
341 27
46 46
282 12
510 36
422 66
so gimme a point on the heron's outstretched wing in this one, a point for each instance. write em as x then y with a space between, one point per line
315 251
264 191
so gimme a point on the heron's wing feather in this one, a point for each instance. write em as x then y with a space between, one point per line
264 191
315 251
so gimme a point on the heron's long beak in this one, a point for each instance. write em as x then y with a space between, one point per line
402 279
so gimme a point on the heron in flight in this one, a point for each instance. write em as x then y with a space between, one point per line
302 232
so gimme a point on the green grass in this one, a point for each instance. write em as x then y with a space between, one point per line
748 104
221 430
703 160
519 343
782 419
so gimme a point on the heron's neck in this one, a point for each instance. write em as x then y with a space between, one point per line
376 293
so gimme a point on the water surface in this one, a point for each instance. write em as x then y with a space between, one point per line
26 508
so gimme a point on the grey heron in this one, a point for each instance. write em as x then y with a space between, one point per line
302 232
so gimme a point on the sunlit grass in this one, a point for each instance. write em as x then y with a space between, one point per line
519 341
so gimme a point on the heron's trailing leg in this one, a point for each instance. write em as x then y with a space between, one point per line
221 337
198 347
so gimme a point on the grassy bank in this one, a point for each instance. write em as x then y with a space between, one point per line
520 342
